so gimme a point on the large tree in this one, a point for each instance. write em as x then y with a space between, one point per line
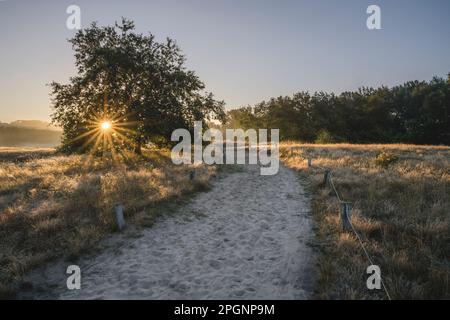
140 87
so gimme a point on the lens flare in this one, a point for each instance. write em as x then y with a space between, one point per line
108 134
106 125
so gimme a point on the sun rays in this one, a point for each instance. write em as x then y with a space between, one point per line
107 135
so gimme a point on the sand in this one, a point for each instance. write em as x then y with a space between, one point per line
246 238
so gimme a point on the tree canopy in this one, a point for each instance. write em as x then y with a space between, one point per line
414 112
137 84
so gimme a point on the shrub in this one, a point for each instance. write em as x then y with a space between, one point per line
384 158
324 137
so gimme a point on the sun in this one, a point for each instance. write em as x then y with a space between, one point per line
106 125
107 133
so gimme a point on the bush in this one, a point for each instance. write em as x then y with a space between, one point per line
384 159
324 137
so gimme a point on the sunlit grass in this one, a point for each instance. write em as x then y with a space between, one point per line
53 205
401 207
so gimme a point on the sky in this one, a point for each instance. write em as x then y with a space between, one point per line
245 51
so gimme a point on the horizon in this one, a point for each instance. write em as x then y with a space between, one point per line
49 121
249 54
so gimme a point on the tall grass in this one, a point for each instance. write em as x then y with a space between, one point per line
53 205
401 208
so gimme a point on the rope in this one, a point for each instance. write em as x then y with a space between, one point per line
368 256
334 188
354 230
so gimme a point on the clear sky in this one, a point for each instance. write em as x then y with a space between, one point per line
244 50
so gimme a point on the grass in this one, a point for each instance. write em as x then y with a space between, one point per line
401 209
53 205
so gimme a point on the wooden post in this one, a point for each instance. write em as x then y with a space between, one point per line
118 208
346 214
309 162
326 178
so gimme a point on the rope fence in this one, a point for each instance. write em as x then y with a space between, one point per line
345 215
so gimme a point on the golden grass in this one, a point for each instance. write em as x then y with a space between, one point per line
53 205
401 208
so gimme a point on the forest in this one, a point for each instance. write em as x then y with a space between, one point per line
415 112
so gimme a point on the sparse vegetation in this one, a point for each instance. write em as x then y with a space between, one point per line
401 208
53 205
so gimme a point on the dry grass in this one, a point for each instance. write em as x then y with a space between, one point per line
53 205
401 208
12 154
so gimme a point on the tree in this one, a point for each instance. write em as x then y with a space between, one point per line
139 86
414 112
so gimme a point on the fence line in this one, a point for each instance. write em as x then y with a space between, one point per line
346 217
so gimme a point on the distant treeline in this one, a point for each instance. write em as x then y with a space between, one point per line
415 112
11 136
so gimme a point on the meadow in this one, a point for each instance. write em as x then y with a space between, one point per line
53 205
401 209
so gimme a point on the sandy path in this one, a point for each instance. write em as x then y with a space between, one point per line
244 239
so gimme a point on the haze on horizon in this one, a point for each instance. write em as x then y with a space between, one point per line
244 51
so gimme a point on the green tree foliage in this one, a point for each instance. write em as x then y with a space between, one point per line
140 83
324 137
414 112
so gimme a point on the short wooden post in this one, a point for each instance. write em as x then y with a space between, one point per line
118 208
346 214
326 178
309 162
